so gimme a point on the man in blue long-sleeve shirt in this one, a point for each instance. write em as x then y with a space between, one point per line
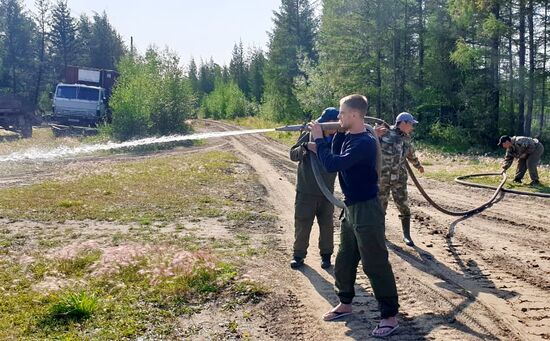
362 236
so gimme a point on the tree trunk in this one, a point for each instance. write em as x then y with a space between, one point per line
543 88
495 63
379 82
420 43
405 59
532 52
41 55
512 126
378 60
396 72
521 110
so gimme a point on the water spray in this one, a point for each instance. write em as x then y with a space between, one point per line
37 154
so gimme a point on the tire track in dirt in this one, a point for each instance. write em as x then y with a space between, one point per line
425 290
501 249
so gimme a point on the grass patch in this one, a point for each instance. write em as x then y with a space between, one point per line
136 300
244 216
74 306
157 189
77 266
253 291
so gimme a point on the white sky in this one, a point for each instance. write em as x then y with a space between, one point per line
192 28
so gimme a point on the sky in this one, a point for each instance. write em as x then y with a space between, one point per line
191 28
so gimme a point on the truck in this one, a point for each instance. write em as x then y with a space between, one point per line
82 99
16 115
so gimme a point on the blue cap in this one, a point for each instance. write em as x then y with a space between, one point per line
329 114
405 117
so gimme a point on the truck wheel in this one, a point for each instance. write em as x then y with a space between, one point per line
26 128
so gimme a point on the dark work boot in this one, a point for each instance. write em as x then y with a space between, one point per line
535 183
325 261
296 262
518 181
406 223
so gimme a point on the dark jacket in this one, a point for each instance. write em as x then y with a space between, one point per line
305 179
353 156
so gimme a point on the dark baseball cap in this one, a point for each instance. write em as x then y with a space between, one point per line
329 114
503 139
405 117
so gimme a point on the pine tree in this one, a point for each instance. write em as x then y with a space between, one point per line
208 73
478 55
106 45
63 36
84 38
292 40
238 71
42 18
256 67
18 52
192 75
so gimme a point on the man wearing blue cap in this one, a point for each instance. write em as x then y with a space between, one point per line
396 150
310 201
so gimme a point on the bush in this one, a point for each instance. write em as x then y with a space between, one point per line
151 97
450 137
227 101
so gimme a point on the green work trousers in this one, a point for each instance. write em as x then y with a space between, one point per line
306 208
362 237
530 163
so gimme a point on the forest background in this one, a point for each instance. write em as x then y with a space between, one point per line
469 70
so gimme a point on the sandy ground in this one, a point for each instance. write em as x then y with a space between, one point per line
491 281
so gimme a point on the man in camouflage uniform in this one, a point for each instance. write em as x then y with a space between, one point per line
396 150
527 150
310 201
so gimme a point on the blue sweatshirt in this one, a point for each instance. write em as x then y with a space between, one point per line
353 156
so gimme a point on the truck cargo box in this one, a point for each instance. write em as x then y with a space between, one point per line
89 76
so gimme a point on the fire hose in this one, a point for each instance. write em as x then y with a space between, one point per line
338 203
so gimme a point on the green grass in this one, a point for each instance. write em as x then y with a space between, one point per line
62 295
444 167
157 189
78 265
74 306
122 305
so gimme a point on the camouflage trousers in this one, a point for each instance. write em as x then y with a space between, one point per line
530 163
399 193
307 207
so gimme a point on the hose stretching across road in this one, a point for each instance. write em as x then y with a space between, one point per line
316 171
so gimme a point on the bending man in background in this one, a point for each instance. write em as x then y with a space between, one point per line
527 150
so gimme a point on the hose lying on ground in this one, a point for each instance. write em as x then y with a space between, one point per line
461 181
476 210
338 203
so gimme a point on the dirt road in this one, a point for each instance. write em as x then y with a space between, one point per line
490 281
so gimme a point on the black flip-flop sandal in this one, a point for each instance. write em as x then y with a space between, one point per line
336 315
390 330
